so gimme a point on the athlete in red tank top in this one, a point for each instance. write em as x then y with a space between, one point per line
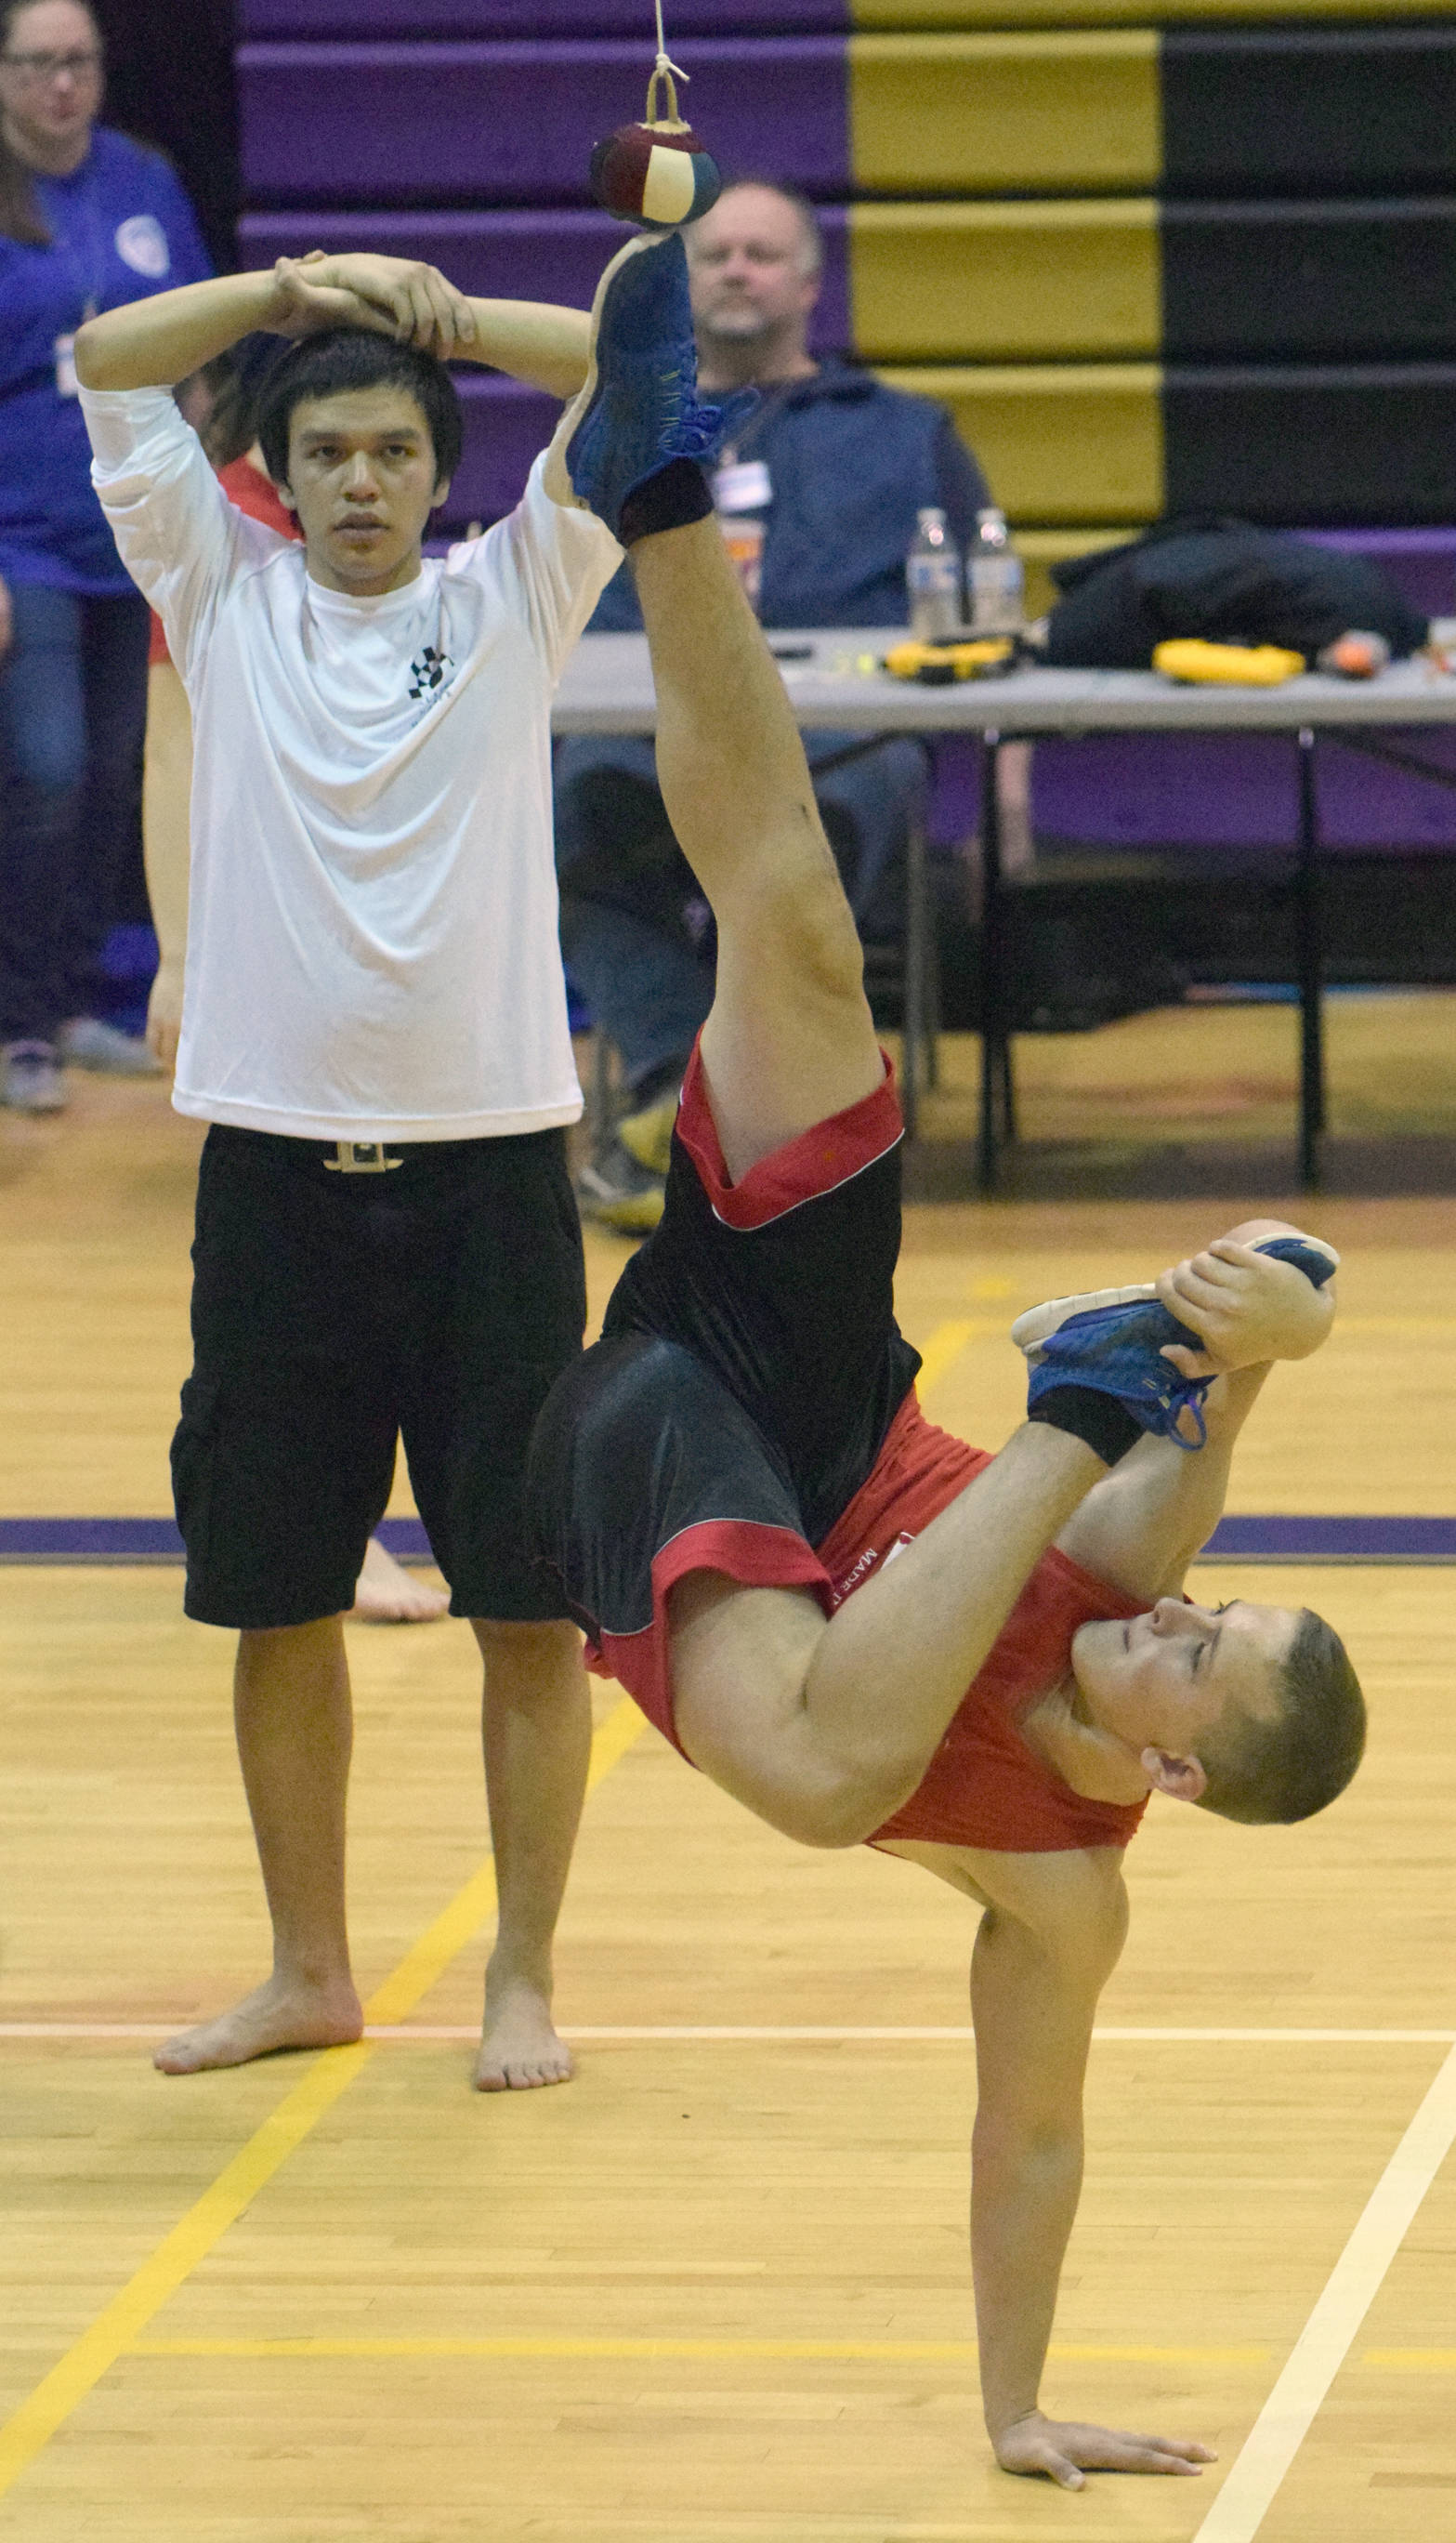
859 1628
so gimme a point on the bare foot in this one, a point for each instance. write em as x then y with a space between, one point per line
520 2045
385 1593
273 2016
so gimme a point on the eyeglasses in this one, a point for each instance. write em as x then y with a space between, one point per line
40 70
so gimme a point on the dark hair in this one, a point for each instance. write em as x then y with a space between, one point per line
21 217
1288 1768
350 357
232 381
808 218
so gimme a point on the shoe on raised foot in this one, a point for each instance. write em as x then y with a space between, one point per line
30 1078
638 407
618 1192
87 1043
1112 1340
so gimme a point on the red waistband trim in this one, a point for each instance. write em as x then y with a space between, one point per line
821 1158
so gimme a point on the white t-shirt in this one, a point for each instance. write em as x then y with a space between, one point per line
372 946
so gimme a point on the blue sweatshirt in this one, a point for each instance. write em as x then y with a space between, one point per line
121 228
850 464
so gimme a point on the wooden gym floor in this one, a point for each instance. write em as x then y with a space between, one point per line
715 2292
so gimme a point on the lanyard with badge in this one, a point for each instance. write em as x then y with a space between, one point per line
85 268
742 490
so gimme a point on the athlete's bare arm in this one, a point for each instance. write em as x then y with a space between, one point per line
153 344
1144 1525
1049 1939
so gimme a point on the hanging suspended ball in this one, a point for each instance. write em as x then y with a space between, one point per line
658 173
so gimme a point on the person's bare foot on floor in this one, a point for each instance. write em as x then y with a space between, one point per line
385 1593
275 2016
520 2045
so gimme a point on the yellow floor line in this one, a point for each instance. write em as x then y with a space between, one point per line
1412 2361
905 2352
940 1354
120 2324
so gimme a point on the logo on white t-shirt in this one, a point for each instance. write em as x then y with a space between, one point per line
427 670
141 243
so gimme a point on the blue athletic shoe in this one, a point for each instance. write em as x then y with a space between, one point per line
1112 1340
638 407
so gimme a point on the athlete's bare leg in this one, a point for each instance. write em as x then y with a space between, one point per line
295 1732
824 1728
790 1039
537 1729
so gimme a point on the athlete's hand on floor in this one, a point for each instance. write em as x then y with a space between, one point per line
388 295
1066 2450
1246 1309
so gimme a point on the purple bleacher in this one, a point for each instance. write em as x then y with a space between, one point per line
295 20
516 122
512 255
1224 793
505 425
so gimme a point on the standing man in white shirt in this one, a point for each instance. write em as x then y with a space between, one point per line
374 1025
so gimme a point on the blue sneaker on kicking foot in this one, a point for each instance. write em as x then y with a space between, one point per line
637 411
1111 1341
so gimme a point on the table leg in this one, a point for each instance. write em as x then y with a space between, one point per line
917 960
1311 1018
994 1090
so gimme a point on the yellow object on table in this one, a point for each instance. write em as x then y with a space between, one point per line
1235 666
939 664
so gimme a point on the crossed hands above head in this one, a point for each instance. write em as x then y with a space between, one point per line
1067 2450
389 295
1246 1309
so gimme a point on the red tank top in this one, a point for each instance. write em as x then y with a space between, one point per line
984 1786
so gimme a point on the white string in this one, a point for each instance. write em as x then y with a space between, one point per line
662 62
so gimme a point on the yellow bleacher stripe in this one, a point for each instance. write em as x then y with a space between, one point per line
979 113
119 2326
1037 282
1066 442
942 17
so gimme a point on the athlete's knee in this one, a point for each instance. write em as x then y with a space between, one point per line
532 1664
802 927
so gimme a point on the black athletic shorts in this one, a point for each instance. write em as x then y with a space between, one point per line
332 1313
749 1370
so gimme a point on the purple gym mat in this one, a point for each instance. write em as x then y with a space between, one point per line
513 254
1234 1540
516 122
297 19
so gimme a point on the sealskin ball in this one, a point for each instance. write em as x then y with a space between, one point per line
658 177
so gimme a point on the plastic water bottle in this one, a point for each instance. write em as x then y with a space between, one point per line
995 582
933 578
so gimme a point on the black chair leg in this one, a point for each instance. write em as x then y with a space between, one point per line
1311 983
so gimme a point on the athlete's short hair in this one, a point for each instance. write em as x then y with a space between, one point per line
1288 1768
352 357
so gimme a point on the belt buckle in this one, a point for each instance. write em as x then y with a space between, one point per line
360 1157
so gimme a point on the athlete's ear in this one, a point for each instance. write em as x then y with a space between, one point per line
284 496
1182 1777
440 492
